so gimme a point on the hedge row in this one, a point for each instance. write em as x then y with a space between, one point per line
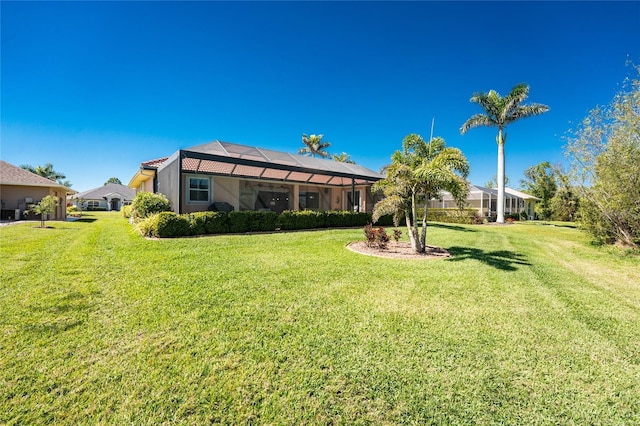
169 224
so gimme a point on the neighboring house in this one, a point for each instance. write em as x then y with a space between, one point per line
108 197
485 200
249 178
20 189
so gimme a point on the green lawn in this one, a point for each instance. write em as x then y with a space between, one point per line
524 324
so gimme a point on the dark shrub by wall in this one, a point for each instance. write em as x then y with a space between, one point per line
251 221
209 223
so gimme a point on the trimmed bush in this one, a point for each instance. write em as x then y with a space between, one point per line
169 225
209 223
147 203
252 221
305 219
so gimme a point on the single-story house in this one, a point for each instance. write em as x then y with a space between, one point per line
248 178
20 189
109 197
485 200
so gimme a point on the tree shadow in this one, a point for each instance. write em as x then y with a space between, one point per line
450 227
504 260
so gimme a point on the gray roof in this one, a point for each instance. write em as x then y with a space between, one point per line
108 190
13 175
261 162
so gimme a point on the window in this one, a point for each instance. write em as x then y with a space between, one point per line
93 204
309 200
198 190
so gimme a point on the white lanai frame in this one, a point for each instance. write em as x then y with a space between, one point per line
485 200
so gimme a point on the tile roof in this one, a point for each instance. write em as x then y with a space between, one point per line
154 164
13 175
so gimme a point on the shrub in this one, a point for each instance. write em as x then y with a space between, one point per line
166 225
252 221
376 238
209 223
147 203
305 219
126 211
397 233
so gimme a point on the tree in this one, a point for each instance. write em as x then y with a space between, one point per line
314 146
540 181
605 165
416 174
343 157
45 207
492 183
499 112
113 180
566 201
47 171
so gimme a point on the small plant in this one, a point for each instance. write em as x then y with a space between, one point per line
376 238
45 207
397 233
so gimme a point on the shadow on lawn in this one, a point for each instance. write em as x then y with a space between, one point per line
451 227
63 314
504 260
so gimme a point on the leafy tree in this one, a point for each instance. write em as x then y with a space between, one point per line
499 112
45 207
113 180
492 183
47 171
314 146
540 181
416 174
605 158
343 157
566 200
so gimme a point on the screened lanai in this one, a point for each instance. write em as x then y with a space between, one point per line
485 200
250 178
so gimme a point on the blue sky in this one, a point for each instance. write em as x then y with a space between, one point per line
98 87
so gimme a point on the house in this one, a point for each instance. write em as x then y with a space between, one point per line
20 189
248 178
109 197
485 200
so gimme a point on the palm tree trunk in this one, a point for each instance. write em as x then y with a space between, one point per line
500 177
423 236
412 225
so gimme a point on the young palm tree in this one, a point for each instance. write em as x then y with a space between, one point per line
500 111
417 173
343 157
313 146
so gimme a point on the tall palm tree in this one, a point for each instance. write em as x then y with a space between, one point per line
420 171
314 146
498 112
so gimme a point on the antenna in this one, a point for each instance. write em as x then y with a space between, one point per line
433 121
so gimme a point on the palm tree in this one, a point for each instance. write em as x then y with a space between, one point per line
47 171
416 174
498 112
343 157
313 146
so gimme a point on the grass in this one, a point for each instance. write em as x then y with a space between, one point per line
524 324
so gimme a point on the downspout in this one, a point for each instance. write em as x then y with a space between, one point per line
180 184
353 194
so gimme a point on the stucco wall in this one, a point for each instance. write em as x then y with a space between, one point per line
169 181
13 197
